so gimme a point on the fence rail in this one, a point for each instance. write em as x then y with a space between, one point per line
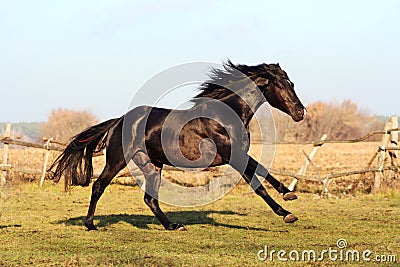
13 141
388 147
321 142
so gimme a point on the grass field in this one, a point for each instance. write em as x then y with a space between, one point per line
43 227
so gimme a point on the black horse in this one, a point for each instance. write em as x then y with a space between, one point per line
215 131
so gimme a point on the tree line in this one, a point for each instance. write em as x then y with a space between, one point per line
28 131
339 121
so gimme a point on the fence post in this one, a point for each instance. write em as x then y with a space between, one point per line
381 158
325 184
394 139
303 168
7 133
46 159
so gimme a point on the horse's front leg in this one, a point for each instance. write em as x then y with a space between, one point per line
245 165
253 181
259 169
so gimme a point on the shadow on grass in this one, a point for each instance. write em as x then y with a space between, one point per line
143 221
10 226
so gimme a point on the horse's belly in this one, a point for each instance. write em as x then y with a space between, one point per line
191 154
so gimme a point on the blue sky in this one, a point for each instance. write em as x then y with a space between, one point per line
95 54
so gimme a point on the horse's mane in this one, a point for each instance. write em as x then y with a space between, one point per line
231 74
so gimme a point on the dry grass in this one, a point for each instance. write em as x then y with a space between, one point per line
331 158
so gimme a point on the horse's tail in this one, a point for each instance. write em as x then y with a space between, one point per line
75 162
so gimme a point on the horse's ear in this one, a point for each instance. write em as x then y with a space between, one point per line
260 81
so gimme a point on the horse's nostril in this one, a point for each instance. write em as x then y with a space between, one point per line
300 112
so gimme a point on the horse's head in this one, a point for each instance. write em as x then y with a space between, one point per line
279 91
272 81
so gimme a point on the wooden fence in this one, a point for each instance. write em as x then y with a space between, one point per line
388 149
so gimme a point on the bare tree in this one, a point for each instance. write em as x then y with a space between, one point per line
63 124
339 120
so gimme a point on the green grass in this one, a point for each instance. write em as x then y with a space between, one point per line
43 227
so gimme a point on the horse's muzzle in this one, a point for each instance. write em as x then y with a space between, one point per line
299 114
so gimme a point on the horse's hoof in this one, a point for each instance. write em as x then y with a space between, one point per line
290 218
91 227
176 227
289 196
181 228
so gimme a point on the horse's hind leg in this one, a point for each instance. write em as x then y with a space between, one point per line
152 174
113 166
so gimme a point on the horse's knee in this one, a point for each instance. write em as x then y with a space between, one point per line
96 188
150 201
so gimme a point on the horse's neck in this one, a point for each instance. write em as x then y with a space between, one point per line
245 103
